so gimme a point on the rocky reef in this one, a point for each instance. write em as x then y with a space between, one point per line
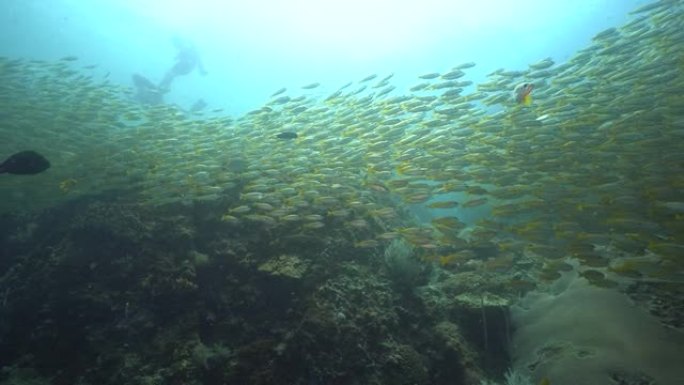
112 293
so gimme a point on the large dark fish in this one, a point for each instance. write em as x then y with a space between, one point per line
25 163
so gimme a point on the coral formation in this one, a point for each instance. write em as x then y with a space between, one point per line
112 293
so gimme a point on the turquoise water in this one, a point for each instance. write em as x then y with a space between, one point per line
250 51
356 193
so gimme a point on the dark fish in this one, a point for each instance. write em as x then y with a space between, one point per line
287 135
24 163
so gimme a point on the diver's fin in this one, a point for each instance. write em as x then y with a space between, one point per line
142 82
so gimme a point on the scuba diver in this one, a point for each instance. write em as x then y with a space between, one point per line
187 60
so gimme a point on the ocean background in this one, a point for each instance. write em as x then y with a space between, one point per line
251 49
370 192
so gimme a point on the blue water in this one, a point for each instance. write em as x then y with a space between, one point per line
251 49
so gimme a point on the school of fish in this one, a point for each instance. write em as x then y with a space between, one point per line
582 170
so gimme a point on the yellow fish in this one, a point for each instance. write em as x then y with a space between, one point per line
523 93
443 205
67 184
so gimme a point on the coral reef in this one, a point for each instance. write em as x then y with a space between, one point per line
111 293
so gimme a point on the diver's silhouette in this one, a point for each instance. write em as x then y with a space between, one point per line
187 60
146 92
